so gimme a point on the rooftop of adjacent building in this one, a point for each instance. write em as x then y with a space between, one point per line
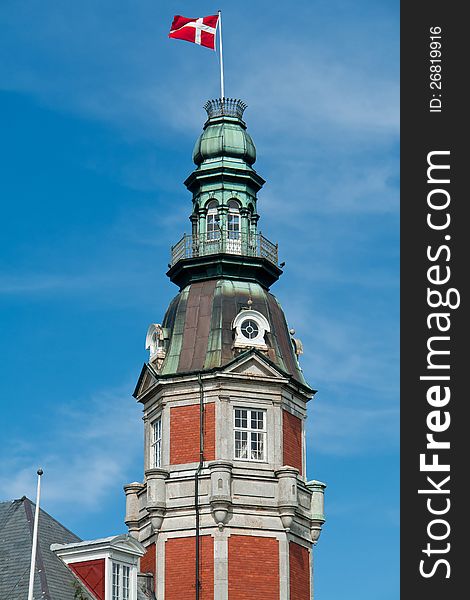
53 580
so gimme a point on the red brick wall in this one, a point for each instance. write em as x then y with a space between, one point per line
253 568
184 433
91 574
180 565
299 567
148 562
292 440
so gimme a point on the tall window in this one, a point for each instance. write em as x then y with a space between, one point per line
125 582
121 582
156 444
116 578
250 434
212 227
233 220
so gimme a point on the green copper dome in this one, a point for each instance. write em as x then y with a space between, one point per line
224 133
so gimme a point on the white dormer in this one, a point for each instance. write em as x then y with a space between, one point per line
155 344
250 329
106 567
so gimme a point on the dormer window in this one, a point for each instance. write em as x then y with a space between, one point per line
250 329
155 344
107 567
121 581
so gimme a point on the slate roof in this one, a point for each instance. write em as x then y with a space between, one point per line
53 580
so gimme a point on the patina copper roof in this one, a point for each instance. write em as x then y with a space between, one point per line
199 324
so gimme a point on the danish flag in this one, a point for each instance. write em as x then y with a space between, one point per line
199 31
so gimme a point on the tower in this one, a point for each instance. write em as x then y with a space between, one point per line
225 511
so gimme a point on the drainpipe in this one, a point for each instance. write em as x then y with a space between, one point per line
196 478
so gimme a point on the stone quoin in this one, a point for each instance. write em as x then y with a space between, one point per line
225 511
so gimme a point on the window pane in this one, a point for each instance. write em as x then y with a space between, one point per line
158 454
125 582
257 419
115 587
249 329
241 444
233 227
212 227
241 418
257 446
156 457
157 430
250 434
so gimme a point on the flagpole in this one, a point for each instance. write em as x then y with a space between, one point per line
35 539
222 93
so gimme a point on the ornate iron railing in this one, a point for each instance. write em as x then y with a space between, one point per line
191 246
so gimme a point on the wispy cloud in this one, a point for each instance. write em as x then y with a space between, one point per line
297 89
27 283
87 453
350 430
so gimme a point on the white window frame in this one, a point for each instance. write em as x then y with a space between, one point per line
263 326
252 434
212 222
120 574
156 442
233 221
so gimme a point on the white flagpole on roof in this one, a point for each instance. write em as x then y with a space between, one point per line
222 93
35 538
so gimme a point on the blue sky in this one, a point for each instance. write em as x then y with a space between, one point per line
99 113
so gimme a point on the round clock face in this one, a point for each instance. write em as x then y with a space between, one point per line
249 329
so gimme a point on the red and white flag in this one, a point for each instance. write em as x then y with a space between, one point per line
199 31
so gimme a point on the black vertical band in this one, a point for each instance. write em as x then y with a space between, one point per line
434 230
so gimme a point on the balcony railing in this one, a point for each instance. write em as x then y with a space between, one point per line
192 246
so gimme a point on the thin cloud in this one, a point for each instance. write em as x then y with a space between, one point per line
343 430
112 77
88 449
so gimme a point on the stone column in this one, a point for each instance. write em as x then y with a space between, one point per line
223 211
220 565
202 233
194 231
244 230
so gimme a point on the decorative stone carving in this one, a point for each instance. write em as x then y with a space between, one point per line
132 507
221 490
287 494
317 508
156 496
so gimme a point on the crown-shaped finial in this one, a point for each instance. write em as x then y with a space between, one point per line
230 107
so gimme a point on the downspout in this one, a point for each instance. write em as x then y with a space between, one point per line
196 478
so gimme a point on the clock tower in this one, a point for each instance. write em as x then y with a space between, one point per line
225 510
